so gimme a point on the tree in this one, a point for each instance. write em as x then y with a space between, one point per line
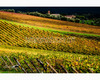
80 17
11 10
77 20
63 18
59 17
92 23
83 21
97 22
72 20
19 12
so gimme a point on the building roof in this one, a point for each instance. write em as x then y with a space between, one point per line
70 16
55 14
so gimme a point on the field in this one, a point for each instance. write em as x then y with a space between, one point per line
21 36
86 35
45 22
78 61
70 44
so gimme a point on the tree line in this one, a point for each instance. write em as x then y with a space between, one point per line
82 18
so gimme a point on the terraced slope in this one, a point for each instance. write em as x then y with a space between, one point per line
16 35
50 23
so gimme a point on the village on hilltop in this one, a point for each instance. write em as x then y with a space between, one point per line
67 16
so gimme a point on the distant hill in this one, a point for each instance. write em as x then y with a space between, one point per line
60 10
50 23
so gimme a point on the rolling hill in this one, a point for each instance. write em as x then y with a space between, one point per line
36 37
50 23
16 35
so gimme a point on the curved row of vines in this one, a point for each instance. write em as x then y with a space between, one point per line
50 23
82 63
16 35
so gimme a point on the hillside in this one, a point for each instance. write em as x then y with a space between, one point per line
79 61
29 37
50 23
16 35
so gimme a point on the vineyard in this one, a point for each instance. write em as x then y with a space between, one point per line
30 44
16 35
50 63
50 23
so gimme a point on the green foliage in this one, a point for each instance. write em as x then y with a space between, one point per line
80 17
64 18
80 62
97 22
19 12
8 10
77 20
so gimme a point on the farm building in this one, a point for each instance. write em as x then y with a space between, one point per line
70 16
67 16
53 14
